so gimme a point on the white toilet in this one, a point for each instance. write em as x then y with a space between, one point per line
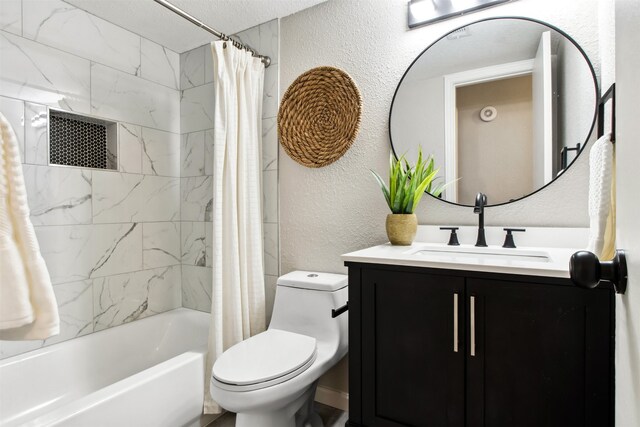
270 379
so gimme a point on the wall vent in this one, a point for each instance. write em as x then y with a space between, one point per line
459 33
87 142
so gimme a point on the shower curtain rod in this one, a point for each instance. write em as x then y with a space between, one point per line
222 36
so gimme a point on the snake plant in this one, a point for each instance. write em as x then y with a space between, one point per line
408 184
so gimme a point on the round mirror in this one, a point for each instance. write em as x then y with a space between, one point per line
504 105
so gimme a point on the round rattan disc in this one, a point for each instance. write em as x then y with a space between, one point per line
319 116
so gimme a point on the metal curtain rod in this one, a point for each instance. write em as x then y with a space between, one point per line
222 36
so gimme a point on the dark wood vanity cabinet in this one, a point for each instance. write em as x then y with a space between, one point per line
431 347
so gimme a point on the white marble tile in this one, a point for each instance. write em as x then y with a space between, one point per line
208 152
194 245
119 299
196 108
58 196
78 252
192 154
250 37
67 251
197 198
75 306
208 64
270 98
270 285
11 16
160 152
58 24
127 297
192 68
269 40
271 251
36 134
130 151
13 111
165 288
112 146
269 144
117 248
270 195
120 96
37 73
208 239
197 283
160 64
119 197
160 244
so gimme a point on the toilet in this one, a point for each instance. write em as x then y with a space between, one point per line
270 379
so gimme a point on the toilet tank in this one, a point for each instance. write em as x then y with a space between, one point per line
303 304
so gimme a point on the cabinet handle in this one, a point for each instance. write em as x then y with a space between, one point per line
455 322
472 321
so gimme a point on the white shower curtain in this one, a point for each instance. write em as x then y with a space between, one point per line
237 298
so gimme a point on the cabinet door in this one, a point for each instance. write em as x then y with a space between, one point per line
412 349
542 355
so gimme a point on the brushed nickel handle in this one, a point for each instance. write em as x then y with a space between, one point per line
455 322
472 321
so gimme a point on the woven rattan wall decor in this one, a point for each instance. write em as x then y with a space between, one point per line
319 116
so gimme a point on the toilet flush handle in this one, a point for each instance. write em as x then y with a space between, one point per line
337 312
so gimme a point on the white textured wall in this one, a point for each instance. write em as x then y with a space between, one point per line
627 61
336 209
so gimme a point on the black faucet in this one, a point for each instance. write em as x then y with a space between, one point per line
481 202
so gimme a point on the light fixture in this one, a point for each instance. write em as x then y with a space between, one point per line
422 12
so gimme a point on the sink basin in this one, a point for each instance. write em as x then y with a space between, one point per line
453 253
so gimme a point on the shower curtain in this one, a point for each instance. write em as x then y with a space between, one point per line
237 298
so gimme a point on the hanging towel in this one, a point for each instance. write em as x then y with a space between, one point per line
28 308
601 198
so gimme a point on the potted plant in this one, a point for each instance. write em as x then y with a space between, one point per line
406 187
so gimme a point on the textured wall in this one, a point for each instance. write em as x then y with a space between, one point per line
329 211
336 209
627 61
110 238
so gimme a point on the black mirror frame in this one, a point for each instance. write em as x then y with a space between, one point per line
522 18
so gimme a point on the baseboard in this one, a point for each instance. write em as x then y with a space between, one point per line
334 398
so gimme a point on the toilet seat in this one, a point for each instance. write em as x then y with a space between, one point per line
266 359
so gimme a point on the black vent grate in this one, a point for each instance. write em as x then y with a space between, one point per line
79 141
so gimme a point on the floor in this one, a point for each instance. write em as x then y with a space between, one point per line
331 417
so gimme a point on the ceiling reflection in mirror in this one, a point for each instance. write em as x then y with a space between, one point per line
504 105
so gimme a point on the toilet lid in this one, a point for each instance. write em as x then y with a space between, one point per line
264 357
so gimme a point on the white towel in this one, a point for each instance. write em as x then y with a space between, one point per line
600 190
28 308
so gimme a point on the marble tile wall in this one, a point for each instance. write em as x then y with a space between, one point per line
111 239
196 126
122 245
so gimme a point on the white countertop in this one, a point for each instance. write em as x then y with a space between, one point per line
496 259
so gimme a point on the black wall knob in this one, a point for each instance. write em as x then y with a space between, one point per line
587 270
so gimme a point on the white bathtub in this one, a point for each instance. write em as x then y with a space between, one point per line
146 373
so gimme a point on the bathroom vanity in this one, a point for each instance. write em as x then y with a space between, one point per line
445 336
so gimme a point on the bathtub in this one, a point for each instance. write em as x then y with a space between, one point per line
146 373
